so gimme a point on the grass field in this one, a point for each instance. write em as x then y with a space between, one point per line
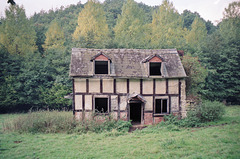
219 140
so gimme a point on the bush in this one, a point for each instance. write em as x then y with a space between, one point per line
210 111
205 112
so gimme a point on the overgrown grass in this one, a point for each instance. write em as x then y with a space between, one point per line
60 122
220 140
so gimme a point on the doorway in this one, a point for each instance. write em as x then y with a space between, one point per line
136 113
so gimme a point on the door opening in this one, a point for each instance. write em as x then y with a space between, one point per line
135 113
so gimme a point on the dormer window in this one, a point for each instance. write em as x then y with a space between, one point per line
154 64
101 64
101 67
155 68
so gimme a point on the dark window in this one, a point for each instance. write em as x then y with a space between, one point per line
101 105
161 106
101 67
155 68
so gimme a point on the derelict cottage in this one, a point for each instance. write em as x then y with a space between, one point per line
128 84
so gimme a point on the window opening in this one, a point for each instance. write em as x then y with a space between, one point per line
101 67
101 105
161 106
155 68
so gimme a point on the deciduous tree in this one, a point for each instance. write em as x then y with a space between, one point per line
18 35
130 29
92 30
54 37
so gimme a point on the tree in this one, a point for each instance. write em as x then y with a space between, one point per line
197 35
54 37
222 57
92 29
113 8
18 35
129 30
196 74
167 30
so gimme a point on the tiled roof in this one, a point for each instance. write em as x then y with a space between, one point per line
126 63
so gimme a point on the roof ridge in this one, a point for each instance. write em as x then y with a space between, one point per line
125 49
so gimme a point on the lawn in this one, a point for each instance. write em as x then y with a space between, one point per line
219 140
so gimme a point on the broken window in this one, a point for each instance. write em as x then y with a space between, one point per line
101 67
161 106
101 105
155 68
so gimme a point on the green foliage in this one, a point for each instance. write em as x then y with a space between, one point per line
196 74
17 35
205 112
197 36
210 111
54 37
92 30
221 54
166 28
53 98
130 31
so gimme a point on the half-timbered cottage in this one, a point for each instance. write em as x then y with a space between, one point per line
128 84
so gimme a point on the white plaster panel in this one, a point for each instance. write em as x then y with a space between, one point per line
149 103
108 85
148 86
94 85
114 102
80 85
134 86
173 86
123 102
174 104
121 85
88 102
78 102
160 86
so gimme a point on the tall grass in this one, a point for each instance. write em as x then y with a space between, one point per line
59 122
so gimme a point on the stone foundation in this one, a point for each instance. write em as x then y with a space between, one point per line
123 116
158 119
148 119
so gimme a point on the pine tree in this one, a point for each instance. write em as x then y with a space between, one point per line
92 29
130 29
54 37
18 35
167 31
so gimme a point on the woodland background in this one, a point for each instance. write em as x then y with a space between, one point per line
35 52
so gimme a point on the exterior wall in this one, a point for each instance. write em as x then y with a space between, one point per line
107 85
134 86
118 90
161 86
94 85
147 86
121 85
80 85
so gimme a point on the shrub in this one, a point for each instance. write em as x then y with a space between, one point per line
210 111
205 112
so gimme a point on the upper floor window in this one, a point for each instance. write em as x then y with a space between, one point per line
155 64
155 68
101 64
101 67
